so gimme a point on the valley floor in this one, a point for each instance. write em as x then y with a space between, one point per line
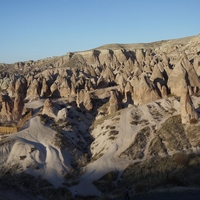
174 194
9 193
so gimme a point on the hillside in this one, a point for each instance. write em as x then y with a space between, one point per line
116 115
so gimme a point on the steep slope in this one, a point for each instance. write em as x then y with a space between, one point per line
135 135
33 151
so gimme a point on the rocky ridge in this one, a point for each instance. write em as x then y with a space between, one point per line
122 105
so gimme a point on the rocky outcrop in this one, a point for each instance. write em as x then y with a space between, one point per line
54 90
11 109
186 75
6 108
108 74
142 72
62 114
83 100
121 81
107 57
164 92
21 87
87 100
143 90
88 85
192 77
18 106
45 90
64 88
178 76
128 93
188 112
34 90
120 55
139 56
196 63
49 109
73 89
80 98
114 102
11 89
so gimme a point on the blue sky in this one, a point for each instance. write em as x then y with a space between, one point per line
36 29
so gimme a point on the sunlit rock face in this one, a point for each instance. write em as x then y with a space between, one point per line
188 112
104 113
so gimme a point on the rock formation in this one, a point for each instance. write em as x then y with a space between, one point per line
87 100
11 89
188 112
140 72
45 90
18 106
143 90
178 76
128 93
6 108
114 103
83 99
34 90
64 88
54 90
88 90
21 87
139 56
49 109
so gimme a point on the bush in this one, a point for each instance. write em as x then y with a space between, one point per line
139 188
107 181
181 159
175 180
